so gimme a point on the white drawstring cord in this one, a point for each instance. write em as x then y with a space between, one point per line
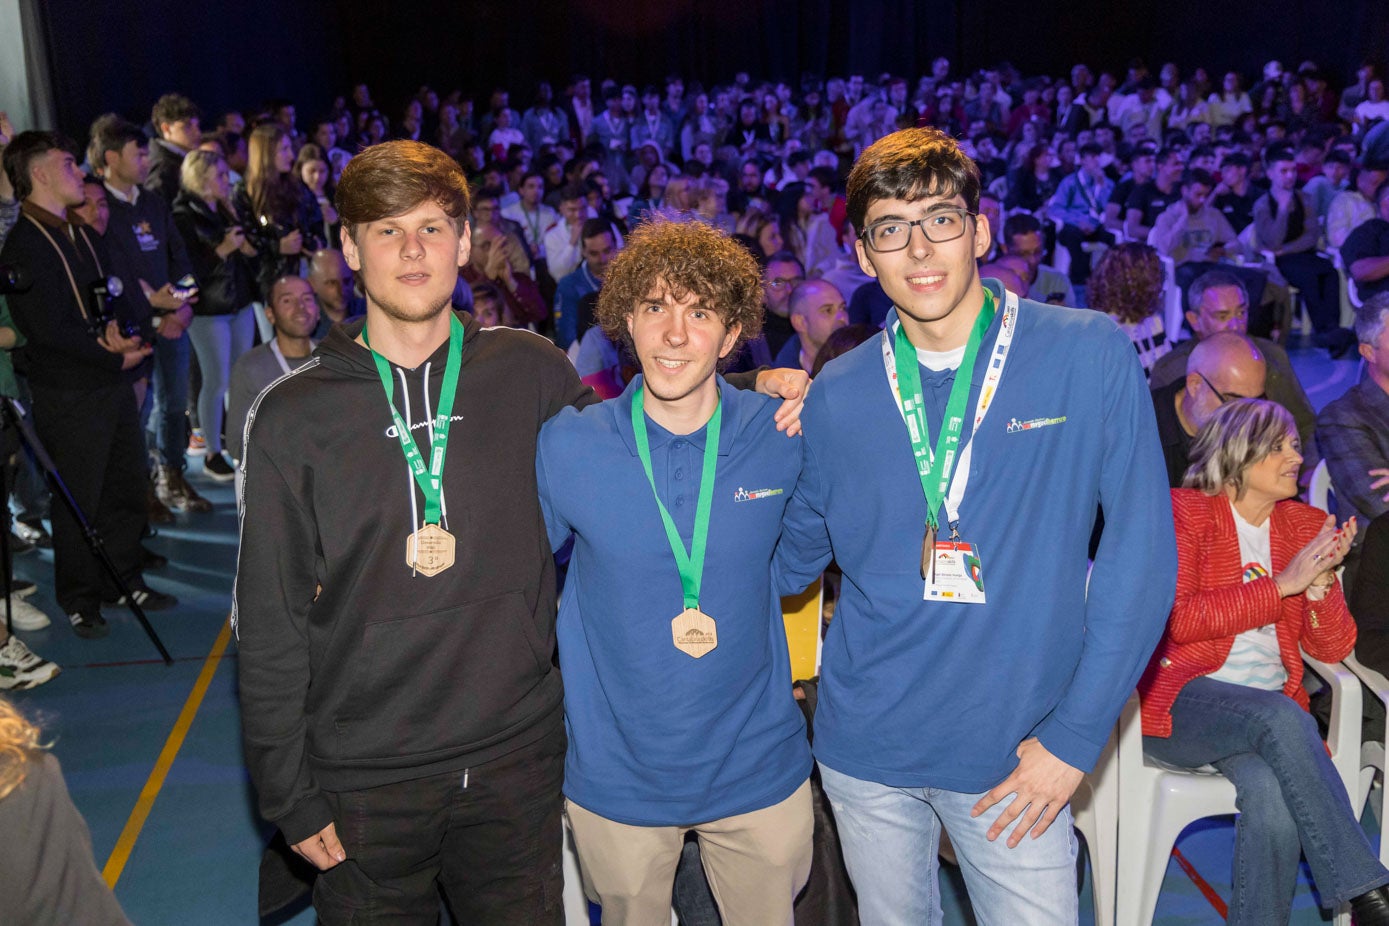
409 474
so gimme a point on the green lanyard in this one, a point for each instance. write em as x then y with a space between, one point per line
691 564
429 480
935 470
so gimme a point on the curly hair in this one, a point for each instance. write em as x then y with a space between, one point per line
682 258
19 745
1127 283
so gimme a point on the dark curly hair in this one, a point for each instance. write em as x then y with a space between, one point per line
1127 283
684 257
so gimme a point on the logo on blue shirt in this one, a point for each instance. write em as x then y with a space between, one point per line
743 495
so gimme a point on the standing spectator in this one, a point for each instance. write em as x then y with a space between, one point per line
222 257
275 211
315 174
598 245
544 124
178 127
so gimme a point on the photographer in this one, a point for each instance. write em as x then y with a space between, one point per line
84 410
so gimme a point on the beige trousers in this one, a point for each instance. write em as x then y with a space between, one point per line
756 863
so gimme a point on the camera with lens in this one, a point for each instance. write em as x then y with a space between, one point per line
101 297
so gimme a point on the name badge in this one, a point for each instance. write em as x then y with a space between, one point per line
957 576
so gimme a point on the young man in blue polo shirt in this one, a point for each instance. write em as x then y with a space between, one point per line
969 680
678 697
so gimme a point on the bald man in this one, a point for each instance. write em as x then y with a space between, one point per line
333 287
816 310
1222 367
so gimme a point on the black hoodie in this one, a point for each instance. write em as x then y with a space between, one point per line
384 676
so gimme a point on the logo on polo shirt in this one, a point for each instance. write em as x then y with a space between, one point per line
743 495
1032 424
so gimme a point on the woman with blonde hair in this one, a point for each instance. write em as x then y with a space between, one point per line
223 317
1127 286
1256 585
59 884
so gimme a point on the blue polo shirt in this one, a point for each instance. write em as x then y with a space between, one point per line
656 737
932 694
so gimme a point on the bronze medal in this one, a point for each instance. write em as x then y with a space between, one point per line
928 553
429 550
694 632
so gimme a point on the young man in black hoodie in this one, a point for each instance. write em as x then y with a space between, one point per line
395 595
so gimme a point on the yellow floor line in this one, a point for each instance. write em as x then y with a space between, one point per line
121 853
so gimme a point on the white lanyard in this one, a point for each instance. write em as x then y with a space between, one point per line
280 355
994 363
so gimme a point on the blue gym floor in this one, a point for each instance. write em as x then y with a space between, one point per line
115 711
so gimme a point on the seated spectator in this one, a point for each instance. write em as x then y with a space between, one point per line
650 195
1256 582
1374 108
293 314
1033 182
1369 598
1332 180
817 310
504 134
1353 431
501 258
1220 369
1365 252
544 123
845 273
222 326
334 290
840 342
533 216
1219 302
1191 231
598 245
1078 205
489 308
1142 166
562 241
48 874
652 126
1285 224
1127 286
1022 237
763 226
1002 271
1227 106
1235 195
1351 208
1149 200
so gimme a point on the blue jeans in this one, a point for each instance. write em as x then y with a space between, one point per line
167 399
891 836
219 341
1290 799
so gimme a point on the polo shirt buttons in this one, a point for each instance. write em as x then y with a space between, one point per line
679 500
679 474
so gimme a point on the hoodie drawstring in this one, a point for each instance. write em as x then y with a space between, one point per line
409 475
429 414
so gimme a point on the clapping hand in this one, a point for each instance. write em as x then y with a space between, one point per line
1316 563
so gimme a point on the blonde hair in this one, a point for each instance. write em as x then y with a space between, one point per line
1236 436
198 168
19 745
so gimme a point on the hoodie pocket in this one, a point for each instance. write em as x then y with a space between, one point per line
442 680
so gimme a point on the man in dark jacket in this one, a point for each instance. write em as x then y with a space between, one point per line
178 130
84 410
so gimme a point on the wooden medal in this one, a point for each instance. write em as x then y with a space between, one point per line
694 632
429 550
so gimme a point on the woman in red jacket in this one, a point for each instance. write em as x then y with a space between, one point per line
1256 581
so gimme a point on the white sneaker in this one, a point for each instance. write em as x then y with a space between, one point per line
20 668
24 615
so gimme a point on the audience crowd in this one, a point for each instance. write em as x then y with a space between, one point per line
179 264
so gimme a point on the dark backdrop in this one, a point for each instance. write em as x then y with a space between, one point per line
116 56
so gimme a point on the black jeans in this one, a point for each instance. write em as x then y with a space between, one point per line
490 837
93 436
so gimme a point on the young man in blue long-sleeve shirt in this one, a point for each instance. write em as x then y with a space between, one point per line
969 679
678 700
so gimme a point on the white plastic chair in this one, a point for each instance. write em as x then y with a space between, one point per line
1157 802
1172 308
1319 488
1095 807
1372 753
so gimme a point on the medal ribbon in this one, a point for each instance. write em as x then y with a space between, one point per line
691 563
429 480
934 468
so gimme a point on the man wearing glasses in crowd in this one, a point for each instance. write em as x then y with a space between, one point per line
969 680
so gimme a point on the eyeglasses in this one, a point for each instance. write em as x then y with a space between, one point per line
895 234
784 282
1228 398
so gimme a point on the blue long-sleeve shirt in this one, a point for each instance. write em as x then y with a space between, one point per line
930 694
656 737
